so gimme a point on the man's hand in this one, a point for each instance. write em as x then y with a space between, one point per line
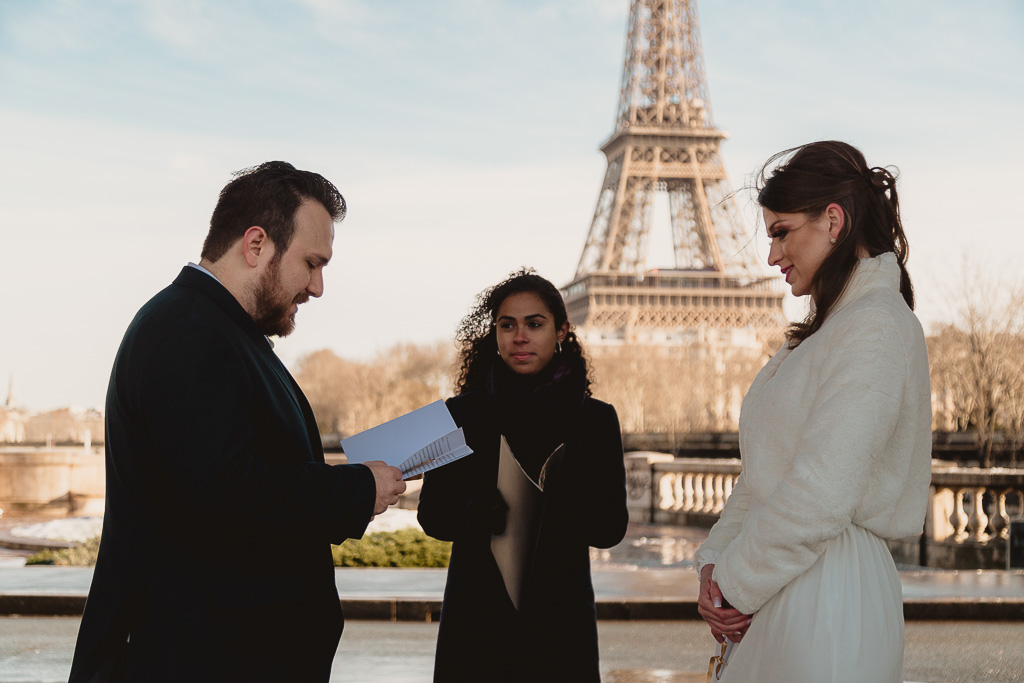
389 484
723 619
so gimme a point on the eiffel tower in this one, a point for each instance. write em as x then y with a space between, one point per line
665 141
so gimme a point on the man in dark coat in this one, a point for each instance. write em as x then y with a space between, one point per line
215 560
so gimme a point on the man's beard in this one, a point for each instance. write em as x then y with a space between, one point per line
271 312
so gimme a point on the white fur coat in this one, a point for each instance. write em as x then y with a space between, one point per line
832 433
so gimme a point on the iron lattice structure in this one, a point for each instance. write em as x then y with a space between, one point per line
665 141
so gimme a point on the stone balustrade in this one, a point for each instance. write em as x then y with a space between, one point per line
683 491
966 524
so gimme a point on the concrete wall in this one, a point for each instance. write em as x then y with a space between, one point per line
57 480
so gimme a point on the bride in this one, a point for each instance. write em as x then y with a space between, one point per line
835 438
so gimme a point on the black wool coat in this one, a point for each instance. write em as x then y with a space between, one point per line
215 560
554 635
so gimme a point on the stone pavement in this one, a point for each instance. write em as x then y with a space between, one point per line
622 593
39 650
961 626
648 576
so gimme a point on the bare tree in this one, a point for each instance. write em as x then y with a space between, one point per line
668 390
675 390
327 381
348 397
1013 408
976 363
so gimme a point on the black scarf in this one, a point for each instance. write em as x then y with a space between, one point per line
536 412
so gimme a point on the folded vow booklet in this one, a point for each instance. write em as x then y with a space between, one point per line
416 442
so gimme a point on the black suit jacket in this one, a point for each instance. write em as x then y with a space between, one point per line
215 560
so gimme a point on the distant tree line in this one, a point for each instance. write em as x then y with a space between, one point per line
675 390
350 396
654 389
977 366
977 374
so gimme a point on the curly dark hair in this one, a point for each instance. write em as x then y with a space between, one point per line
476 336
267 195
821 173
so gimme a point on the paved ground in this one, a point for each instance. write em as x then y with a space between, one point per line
39 650
653 564
609 582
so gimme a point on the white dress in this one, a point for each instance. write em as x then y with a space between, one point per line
841 621
835 437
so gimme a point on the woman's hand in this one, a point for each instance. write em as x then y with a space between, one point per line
723 619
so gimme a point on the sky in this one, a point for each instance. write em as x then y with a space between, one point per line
464 136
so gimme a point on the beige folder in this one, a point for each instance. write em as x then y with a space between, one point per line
513 549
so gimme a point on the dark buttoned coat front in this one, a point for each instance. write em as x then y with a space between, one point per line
215 560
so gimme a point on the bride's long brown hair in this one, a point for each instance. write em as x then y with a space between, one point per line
830 172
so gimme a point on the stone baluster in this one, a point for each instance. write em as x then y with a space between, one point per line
959 518
1000 521
677 491
709 492
730 481
665 491
719 493
977 523
688 492
940 513
698 492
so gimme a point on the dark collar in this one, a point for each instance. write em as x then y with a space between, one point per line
196 279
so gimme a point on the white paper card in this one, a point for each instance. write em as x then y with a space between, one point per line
416 442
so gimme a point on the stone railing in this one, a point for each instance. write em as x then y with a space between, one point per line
693 491
683 491
967 523
958 532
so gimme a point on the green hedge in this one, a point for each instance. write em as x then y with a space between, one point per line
83 555
402 548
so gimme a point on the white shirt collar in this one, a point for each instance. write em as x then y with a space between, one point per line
204 270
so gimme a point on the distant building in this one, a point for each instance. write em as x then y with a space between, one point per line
62 426
65 426
12 425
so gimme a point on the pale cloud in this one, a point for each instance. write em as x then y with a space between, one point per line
463 134
31 28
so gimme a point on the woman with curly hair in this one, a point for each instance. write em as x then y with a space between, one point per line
524 376
835 438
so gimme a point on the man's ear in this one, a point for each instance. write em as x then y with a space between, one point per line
256 246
